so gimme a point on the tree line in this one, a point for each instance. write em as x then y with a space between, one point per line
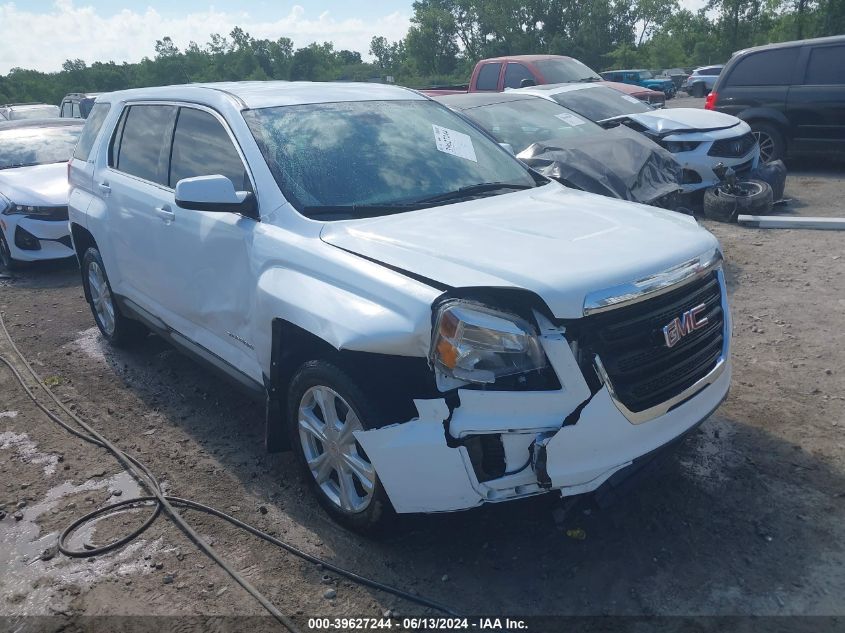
447 37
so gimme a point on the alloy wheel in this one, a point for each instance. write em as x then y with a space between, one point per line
101 298
767 145
337 462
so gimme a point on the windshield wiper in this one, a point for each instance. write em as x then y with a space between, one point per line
473 190
359 210
588 80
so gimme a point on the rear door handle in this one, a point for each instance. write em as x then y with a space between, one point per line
165 214
105 188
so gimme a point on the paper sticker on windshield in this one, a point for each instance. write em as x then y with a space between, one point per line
631 99
570 119
453 142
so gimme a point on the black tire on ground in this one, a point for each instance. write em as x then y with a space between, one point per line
770 138
378 515
124 332
6 259
757 200
699 90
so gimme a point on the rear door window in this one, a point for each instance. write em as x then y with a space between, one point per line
202 147
488 77
827 66
515 73
144 146
91 130
767 68
66 109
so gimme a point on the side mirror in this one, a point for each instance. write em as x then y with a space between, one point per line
508 148
527 83
214 193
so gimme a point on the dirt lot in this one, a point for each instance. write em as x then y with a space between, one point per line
746 518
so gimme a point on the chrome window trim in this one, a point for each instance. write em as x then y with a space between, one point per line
651 286
638 417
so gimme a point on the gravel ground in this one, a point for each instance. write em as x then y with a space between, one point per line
746 517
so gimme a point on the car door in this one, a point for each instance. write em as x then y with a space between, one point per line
206 285
817 104
138 201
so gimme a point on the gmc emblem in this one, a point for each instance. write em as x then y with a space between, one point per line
688 322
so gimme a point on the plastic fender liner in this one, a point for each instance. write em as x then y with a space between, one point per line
420 473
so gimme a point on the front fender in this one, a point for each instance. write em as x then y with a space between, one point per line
343 315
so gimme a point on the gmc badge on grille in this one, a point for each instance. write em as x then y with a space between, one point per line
688 322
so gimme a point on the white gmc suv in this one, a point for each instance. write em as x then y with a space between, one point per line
431 325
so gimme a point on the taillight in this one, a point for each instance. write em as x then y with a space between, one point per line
710 102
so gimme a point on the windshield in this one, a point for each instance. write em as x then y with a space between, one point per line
601 103
522 123
22 147
40 112
560 71
372 157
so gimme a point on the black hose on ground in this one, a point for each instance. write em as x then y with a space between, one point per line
159 501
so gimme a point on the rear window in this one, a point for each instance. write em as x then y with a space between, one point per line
144 145
488 77
600 103
91 130
826 66
766 68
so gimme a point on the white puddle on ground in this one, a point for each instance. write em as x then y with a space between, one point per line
31 586
27 450
91 344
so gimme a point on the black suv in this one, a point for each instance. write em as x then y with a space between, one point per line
792 94
77 105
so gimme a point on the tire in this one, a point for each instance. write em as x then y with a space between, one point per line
363 510
722 206
770 138
118 330
699 90
6 259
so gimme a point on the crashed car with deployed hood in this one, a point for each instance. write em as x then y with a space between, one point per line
699 141
565 146
34 189
430 324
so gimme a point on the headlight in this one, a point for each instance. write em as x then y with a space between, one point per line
680 146
478 344
25 209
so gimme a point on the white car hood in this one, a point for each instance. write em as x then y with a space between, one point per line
670 120
560 243
40 185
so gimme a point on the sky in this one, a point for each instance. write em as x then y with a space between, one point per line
41 34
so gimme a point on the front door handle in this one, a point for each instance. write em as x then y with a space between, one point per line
165 214
105 188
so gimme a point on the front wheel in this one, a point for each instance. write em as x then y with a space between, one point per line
118 330
6 259
325 408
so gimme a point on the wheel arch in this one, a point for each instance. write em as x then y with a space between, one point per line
395 380
82 241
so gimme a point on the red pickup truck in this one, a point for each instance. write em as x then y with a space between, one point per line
520 71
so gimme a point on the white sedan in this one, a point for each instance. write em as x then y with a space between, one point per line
34 189
699 139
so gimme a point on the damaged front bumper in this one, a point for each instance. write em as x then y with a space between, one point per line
569 440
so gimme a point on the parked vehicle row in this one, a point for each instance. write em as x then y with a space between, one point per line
431 324
21 111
